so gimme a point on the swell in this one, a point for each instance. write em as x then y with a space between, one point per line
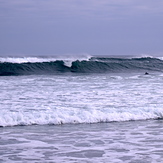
93 65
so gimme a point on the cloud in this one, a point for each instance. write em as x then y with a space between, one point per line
80 8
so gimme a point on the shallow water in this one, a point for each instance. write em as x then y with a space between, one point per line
133 141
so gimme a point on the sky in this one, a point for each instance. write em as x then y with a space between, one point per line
96 27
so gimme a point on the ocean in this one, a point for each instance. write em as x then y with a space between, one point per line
81 109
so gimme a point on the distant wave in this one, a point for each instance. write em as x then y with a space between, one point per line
84 64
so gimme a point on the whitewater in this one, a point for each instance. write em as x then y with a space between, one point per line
60 99
94 109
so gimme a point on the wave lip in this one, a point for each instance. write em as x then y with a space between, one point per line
34 65
63 58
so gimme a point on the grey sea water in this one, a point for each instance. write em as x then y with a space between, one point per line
81 118
129 142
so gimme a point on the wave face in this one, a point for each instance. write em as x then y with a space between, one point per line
37 65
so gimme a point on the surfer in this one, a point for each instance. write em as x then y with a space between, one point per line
146 73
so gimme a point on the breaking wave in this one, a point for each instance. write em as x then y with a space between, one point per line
75 116
88 64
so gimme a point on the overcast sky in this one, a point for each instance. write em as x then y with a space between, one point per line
96 27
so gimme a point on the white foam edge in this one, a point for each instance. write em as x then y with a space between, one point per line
60 116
